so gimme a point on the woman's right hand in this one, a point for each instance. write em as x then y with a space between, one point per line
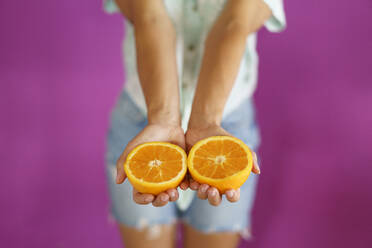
152 132
205 191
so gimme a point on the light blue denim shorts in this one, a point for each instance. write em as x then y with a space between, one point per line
126 121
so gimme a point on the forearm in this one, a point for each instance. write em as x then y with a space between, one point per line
223 52
155 40
156 63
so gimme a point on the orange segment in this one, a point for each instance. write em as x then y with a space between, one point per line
155 167
221 161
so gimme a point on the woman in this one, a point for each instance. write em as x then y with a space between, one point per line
191 65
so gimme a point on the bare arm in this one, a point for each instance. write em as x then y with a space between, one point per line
155 39
156 57
224 49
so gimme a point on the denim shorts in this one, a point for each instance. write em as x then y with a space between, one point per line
126 121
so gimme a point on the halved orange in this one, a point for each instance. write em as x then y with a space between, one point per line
155 167
221 161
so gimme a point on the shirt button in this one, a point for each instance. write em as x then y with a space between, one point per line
191 47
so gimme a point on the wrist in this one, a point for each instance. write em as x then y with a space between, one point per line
206 111
204 120
164 117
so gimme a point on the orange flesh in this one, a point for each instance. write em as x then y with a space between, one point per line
219 159
156 163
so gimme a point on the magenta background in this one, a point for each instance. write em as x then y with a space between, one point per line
61 69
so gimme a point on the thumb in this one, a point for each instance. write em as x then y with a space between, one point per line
120 173
256 168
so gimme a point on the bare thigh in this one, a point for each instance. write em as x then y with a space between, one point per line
195 239
149 237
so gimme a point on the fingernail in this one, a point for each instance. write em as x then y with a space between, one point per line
172 194
163 198
203 189
148 198
259 170
230 194
213 193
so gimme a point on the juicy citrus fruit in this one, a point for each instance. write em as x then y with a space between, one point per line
155 167
221 161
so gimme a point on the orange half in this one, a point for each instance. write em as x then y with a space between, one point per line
155 167
224 162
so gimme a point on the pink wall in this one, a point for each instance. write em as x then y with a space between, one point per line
60 71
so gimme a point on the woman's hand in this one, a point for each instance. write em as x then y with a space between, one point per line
152 132
204 191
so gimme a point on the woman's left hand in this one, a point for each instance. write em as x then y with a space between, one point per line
205 191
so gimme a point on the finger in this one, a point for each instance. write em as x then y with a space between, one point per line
202 191
142 199
233 195
120 173
214 196
173 194
161 200
256 168
194 185
185 183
